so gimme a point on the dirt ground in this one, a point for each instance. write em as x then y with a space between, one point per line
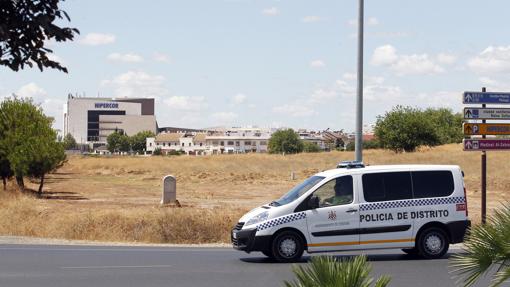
225 184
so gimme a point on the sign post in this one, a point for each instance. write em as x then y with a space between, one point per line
484 129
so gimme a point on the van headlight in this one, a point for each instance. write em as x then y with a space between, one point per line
258 218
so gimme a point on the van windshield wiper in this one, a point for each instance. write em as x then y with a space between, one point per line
274 203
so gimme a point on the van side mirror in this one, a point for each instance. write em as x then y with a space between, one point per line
313 202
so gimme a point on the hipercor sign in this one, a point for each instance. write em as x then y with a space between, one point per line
485 98
487 113
486 144
471 129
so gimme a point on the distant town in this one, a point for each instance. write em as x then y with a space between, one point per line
90 120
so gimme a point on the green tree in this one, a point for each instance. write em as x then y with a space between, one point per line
25 28
447 125
27 140
69 142
138 141
5 170
118 142
285 141
405 129
46 156
486 248
310 147
325 271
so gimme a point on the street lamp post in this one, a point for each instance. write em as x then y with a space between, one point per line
359 99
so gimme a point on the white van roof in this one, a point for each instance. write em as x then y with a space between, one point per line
375 168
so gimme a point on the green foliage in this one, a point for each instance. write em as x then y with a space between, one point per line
325 271
448 125
138 141
28 141
157 151
118 142
69 142
25 29
405 129
175 152
486 248
285 141
372 144
310 147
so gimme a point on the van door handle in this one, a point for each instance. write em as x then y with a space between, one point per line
352 210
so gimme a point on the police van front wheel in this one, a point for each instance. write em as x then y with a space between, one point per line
287 246
433 243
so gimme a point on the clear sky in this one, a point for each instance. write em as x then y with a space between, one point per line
274 63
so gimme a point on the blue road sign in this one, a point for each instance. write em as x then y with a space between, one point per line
485 98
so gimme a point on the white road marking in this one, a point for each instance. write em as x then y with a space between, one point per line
115 266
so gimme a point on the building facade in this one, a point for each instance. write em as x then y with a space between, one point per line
90 120
238 140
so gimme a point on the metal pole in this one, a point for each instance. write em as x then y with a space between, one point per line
359 100
484 177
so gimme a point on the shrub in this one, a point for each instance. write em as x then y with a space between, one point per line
310 147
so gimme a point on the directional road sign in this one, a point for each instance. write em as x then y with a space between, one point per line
486 114
486 129
485 98
486 144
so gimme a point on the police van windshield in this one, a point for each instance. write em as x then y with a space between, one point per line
297 191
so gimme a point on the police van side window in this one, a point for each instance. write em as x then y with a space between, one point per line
434 183
387 186
337 191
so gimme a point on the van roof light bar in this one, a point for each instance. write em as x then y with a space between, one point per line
350 164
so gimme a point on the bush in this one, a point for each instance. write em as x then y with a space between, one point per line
285 141
310 147
175 152
157 151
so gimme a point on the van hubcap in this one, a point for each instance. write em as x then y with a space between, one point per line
288 247
434 244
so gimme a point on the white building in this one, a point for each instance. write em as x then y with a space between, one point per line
236 140
90 120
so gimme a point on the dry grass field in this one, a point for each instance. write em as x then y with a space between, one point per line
117 198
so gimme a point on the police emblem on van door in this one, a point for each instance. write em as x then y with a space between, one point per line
332 215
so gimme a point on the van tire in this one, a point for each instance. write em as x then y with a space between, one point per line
432 243
410 251
287 246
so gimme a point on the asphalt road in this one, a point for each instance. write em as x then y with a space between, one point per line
33 265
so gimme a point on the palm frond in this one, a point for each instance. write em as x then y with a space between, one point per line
487 246
326 271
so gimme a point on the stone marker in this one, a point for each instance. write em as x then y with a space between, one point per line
292 176
169 190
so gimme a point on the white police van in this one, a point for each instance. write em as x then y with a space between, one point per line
420 209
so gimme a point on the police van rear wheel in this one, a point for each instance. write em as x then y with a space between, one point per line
433 243
287 246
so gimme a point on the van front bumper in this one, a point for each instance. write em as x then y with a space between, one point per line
246 240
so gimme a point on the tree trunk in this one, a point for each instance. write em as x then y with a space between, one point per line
41 184
4 180
21 183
